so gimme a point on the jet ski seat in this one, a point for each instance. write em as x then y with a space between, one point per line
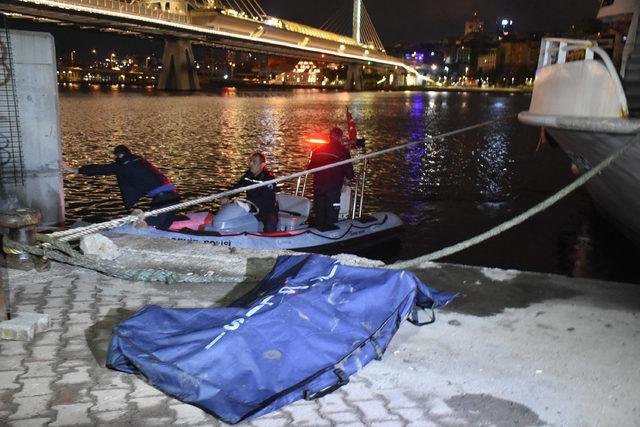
294 211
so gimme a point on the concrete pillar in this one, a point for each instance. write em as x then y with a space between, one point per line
35 80
395 78
354 77
178 70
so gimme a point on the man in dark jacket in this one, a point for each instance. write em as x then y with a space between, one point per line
137 178
263 197
327 184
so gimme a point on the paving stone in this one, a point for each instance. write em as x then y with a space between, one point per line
12 348
271 422
34 387
103 310
374 410
34 422
410 414
39 369
397 399
56 303
189 414
427 423
31 407
109 400
343 417
157 421
143 389
74 331
333 402
10 363
72 393
358 391
48 338
9 379
81 318
111 380
73 347
148 403
389 423
74 414
306 414
26 308
113 417
86 296
58 292
78 375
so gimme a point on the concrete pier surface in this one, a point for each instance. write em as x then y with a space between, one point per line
517 349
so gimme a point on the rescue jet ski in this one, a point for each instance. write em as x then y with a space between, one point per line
235 225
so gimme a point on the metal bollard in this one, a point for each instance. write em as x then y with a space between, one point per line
21 224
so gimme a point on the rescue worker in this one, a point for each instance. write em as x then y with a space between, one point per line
327 184
263 197
137 178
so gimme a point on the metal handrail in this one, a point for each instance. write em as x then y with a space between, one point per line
562 46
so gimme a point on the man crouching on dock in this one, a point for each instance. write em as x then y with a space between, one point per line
137 178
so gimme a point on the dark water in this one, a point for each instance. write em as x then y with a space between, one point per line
445 191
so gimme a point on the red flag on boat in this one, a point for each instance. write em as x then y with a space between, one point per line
351 125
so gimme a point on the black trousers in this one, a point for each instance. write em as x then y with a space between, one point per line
161 200
326 206
269 221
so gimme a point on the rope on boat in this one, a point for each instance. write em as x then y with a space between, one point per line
520 218
76 233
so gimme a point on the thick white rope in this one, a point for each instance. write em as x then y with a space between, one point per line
76 233
520 218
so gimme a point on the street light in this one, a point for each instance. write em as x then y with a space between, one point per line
73 52
147 62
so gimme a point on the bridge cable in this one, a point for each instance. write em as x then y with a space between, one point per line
377 42
76 233
519 218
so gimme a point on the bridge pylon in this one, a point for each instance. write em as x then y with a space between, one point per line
178 69
354 77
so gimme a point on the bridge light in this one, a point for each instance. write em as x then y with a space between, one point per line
342 48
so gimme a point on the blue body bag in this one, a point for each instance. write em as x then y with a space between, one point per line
309 325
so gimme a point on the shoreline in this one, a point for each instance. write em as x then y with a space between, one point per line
212 87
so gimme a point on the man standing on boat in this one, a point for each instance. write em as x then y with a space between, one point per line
263 197
137 178
327 184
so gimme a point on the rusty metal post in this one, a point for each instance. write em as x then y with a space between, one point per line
21 224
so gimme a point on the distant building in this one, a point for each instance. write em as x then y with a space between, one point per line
474 25
487 61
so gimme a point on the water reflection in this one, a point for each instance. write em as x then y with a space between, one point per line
446 190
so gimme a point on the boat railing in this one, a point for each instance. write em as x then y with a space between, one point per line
556 50
356 202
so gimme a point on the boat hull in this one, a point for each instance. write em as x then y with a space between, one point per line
350 235
616 189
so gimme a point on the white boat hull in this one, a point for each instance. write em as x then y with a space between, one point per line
379 228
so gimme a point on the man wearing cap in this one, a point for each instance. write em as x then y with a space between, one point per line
327 184
137 178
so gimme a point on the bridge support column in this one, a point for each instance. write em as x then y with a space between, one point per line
394 79
178 70
354 77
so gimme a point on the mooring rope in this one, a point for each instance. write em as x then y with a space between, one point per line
520 218
76 233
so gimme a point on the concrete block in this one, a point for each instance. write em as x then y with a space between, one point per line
24 326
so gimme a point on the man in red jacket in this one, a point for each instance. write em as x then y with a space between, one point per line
327 184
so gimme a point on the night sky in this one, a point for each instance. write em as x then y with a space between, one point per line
430 20
410 21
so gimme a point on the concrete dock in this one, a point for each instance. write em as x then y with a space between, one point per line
517 349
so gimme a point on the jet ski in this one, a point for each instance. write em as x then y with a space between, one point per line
235 225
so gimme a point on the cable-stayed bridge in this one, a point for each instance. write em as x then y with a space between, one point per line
233 24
